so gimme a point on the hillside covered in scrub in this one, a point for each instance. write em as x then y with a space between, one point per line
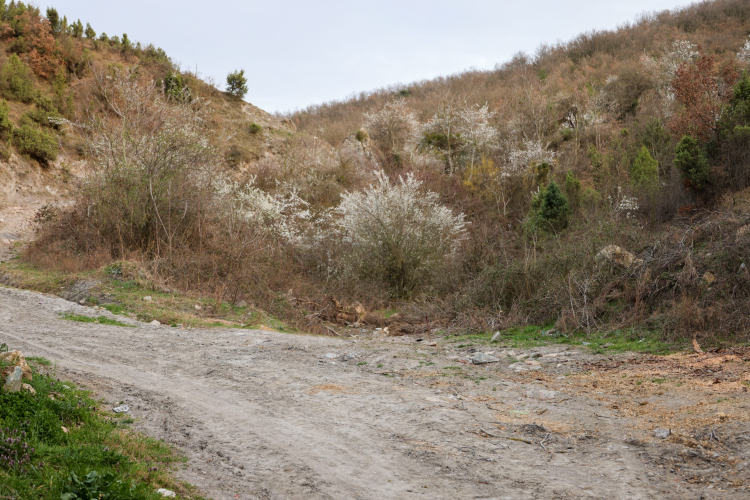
481 200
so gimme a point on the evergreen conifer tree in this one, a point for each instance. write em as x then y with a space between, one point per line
237 83
90 33
691 160
555 210
645 170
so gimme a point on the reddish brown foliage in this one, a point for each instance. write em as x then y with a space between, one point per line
699 87
43 53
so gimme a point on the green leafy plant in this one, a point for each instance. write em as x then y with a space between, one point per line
95 486
16 82
37 144
645 170
237 83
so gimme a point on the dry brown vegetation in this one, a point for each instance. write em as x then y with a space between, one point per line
600 116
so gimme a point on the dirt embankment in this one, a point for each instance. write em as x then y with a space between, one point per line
264 415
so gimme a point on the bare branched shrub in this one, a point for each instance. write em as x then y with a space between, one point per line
151 162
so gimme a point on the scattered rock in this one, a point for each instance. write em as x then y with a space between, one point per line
148 298
15 358
197 307
662 433
535 355
64 429
155 322
617 256
482 358
13 381
522 367
543 394
166 493
241 303
521 357
27 387
331 355
532 363
347 357
497 337
121 409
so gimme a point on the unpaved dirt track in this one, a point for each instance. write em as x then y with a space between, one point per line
268 415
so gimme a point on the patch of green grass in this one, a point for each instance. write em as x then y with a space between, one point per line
100 319
380 365
362 363
39 361
75 447
658 380
114 308
630 340
451 368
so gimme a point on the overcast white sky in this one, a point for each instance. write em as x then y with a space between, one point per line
302 52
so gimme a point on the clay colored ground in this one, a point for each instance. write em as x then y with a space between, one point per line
267 415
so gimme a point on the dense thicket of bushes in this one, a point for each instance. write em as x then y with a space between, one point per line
636 137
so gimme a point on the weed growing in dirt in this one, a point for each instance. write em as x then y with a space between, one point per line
101 320
68 448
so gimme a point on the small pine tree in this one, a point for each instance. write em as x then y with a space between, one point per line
690 159
555 209
77 29
237 84
90 33
126 43
645 170
54 19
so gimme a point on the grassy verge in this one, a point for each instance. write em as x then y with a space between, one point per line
101 320
69 448
130 297
629 340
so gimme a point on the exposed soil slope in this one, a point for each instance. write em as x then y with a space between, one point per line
262 414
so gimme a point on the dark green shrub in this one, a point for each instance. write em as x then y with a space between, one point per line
90 33
16 82
43 111
555 210
175 89
6 126
35 143
645 170
255 128
237 84
690 160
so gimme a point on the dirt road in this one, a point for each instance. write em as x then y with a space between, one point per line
269 415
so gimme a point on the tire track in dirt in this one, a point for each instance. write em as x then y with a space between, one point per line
265 415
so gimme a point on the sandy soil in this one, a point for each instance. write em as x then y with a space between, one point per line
267 415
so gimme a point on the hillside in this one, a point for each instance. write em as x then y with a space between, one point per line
599 185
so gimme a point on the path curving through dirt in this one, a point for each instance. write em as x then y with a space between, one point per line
267 415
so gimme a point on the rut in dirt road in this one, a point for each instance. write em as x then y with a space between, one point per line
270 415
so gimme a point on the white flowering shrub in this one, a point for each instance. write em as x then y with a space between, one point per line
397 233
662 70
743 56
393 127
623 205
